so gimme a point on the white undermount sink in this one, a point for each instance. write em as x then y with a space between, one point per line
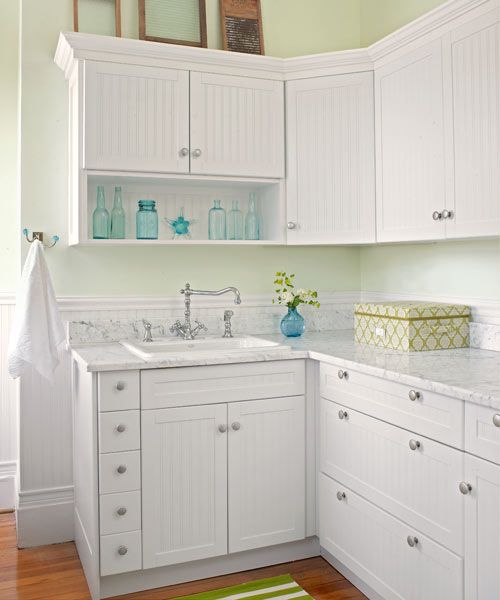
168 348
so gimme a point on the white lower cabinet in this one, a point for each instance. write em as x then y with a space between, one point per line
395 560
482 530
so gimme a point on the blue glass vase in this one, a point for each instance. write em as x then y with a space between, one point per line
292 324
146 221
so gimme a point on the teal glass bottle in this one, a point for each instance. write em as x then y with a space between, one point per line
100 217
235 223
292 324
146 221
252 220
216 222
117 217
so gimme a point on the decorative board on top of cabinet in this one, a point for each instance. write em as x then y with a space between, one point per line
331 160
482 432
395 560
237 126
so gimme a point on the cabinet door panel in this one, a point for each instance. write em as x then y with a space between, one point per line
266 472
410 151
184 484
136 118
331 163
237 123
482 530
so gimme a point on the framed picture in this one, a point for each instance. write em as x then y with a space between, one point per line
173 22
98 10
241 23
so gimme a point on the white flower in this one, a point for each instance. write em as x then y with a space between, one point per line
288 296
302 293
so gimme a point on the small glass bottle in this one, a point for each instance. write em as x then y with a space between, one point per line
146 221
217 222
235 223
252 221
117 217
100 217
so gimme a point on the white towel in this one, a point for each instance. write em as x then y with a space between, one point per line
37 329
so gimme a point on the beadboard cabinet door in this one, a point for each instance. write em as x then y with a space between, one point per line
331 160
237 126
410 146
184 484
136 118
266 472
482 530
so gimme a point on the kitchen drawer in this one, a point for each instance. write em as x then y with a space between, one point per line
119 430
188 386
113 561
120 512
482 431
118 390
418 486
375 546
111 480
433 415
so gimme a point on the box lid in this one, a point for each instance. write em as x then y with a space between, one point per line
412 310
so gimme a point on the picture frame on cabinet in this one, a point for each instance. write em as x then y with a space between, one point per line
173 22
241 25
118 14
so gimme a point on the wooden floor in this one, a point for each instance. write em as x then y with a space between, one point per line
55 573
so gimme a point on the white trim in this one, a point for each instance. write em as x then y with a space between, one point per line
46 496
8 484
8 468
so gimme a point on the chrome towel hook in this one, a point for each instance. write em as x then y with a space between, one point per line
38 235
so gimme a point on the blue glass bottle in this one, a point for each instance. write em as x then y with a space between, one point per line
235 223
117 217
146 221
100 217
292 324
217 222
252 221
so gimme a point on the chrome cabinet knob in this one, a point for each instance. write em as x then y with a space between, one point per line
121 428
437 216
291 225
184 151
222 428
414 444
496 420
340 496
343 414
235 426
412 541
465 488
121 385
121 469
342 374
197 153
122 550
447 214
121 511
414 395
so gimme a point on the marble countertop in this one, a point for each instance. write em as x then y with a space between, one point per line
469 374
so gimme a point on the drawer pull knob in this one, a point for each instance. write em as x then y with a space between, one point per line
122 550
343 414
437 216
121 469
412 541
465 487
343 374
413 395
496 420
235 426
184 151
120 386
222 428
197 153
121 428
340 496
414 444
121 511
291 225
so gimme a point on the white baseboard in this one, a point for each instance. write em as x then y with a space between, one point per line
45 517
8 485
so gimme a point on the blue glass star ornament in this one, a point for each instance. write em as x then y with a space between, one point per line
180 226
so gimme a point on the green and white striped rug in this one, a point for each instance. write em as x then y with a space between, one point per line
281 588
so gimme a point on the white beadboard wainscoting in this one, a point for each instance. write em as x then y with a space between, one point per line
45 496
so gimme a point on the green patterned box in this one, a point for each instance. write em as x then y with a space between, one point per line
412 326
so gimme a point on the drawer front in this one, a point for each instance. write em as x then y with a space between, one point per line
110 478
121 553
433 415
118 390
374 545
419 486
120 512
119 430
188 386
482 431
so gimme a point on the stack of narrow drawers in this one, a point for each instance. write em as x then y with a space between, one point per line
120 472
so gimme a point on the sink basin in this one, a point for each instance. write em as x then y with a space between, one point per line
168 348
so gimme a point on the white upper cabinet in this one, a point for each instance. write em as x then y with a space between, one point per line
136 118
330 160
237 126
475 65
409 122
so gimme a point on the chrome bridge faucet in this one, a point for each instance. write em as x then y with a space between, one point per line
186 330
